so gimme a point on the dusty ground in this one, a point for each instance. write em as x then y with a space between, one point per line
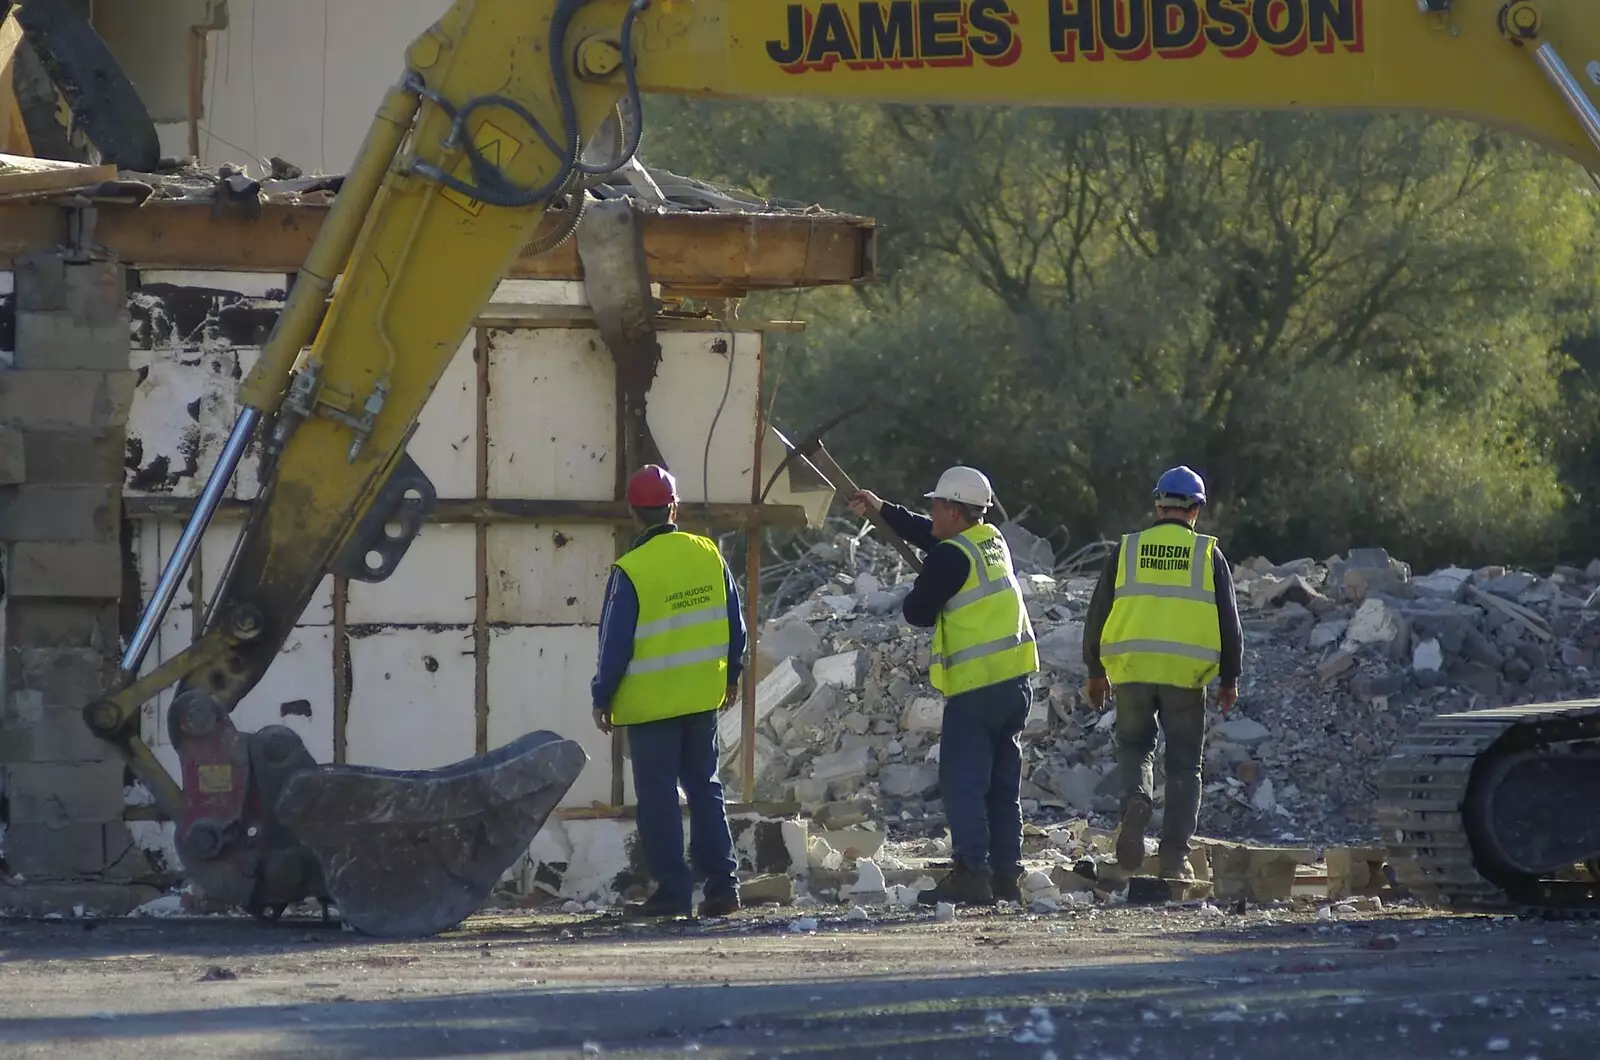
1177 982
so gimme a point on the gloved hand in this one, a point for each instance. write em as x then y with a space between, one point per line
1097 690
863 501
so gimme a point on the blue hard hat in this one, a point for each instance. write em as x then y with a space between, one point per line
1181 481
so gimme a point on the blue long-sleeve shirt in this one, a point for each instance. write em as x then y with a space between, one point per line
944 570
620 618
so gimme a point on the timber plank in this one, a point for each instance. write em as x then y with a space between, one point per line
20 174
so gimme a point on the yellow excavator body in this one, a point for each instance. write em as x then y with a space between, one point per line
470 148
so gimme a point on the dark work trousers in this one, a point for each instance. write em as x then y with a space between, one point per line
980 772
665 754
1182 715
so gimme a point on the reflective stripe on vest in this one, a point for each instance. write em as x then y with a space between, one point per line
1163 626
983 635
680 643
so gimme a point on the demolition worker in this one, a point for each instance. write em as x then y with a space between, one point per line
1163 624
672 642
983 652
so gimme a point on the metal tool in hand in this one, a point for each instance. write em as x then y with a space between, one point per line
814 455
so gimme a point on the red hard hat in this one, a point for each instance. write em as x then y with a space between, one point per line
652 487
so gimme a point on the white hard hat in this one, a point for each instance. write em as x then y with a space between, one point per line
966 485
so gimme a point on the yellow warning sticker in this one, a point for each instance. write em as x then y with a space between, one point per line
498 148
216 779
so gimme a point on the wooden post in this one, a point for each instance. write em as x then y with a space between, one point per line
752 577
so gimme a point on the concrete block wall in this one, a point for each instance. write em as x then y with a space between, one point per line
64 400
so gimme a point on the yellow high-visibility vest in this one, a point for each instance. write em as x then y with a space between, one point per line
982 635
680 645
1163 626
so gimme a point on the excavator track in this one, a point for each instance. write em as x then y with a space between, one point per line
1481 809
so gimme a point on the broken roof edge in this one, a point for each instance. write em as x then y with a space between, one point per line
655 188
702 240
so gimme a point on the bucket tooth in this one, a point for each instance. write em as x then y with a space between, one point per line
415 852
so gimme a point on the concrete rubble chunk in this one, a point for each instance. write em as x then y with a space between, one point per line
908 781
1448 583
868 887
1272 591
1508 586
859 841
1244 730
413 853
846 670
771 889
787 684
884 601
1062 648
788 637
923 714
843 765
1427 656
1355 871
817 715
1030 553
1327 632
1037 586
1074 783
1258 874
1374 623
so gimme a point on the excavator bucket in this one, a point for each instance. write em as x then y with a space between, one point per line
413 853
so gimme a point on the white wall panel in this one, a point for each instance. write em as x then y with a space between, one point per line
548 574
300 679
446 445
435 582
539 679
551 435
154 541
682 411
303 670
411 704
552 415
182 411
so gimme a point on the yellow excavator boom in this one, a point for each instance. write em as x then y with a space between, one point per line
486 129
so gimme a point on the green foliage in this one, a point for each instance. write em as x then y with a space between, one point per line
1361 329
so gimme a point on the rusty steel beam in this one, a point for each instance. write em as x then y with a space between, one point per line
467 510
693 253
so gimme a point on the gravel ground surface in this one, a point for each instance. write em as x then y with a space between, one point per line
1196 981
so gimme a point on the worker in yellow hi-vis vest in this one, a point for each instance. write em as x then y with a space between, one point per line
1162 625
982 655
672 641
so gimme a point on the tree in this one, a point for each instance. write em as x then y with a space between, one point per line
1352 325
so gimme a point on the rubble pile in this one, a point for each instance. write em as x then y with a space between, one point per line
1343 657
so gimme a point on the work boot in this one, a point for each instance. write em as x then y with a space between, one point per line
1130 834
724 904
1177 869
658 906
1007 883
964 885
